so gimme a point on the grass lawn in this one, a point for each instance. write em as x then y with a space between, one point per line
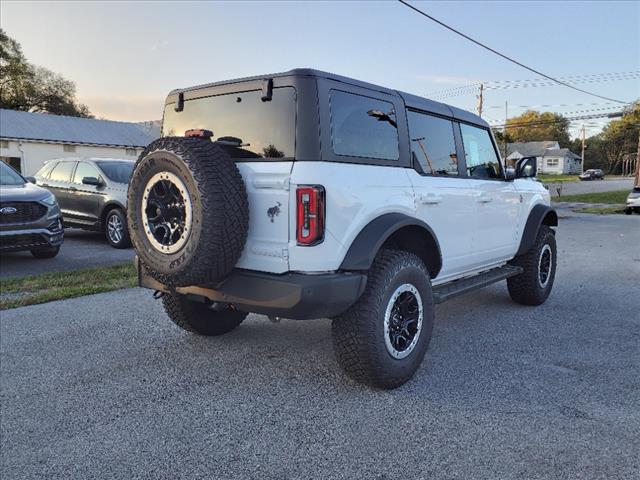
47 287
548 178
601 211
617 196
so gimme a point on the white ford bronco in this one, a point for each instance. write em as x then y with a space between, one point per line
308 195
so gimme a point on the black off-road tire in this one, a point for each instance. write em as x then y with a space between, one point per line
359 333
220 211
47 252
199 317
125 241
527 288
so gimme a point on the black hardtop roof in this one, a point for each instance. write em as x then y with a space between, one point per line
410 100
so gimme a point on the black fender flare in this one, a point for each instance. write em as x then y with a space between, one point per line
539 214
368 242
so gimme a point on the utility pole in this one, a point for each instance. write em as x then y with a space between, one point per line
637 175
582 162
504 132
480 100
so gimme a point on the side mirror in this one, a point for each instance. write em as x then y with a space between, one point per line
526 167
30 179
91 181
510 174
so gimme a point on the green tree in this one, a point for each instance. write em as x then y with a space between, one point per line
534 126
26 87
620 137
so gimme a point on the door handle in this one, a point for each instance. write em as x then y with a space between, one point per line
484 198
430 199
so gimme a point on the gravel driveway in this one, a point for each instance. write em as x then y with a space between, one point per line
106 387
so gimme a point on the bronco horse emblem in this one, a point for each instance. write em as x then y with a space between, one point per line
274 211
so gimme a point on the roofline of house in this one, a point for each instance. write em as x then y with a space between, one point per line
63 142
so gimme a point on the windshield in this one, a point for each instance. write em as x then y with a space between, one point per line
119 172
242 123
8 176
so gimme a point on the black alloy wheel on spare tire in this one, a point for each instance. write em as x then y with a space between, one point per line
187 211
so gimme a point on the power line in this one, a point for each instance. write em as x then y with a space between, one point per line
504 56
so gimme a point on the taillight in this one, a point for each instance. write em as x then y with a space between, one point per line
310 215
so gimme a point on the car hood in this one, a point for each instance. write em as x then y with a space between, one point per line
22 193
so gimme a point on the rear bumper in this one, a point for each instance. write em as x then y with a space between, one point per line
291 295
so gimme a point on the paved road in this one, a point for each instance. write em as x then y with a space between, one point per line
80 250
594 186
105 387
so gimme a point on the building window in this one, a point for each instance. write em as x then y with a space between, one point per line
131 152
69 148
552 162
4 144
13 162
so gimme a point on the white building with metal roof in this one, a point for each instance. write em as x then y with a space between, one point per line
28 140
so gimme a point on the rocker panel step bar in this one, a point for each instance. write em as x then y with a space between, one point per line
453 289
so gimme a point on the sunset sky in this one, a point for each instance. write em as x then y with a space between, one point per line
125 56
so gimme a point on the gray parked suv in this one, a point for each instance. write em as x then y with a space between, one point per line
29 216
92 194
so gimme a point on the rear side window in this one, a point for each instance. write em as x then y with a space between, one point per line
482 159
363 126
62 172
241 123
45 171
433 144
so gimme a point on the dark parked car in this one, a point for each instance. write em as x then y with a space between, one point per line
29 216
92 194
592 174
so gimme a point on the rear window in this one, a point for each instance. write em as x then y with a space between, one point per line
246 126
363 126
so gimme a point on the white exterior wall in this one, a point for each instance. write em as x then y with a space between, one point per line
35 154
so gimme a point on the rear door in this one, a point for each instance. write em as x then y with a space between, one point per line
59 183
496 201
443 197
260 135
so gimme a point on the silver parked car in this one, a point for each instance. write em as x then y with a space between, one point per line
92 194
633 201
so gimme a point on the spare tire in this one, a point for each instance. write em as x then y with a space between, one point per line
187 211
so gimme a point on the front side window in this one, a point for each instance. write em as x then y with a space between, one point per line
119 172
244 125
433 144
363 126
85 170
62 172
482 159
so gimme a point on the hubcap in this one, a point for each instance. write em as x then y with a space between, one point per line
544 266
403 321
115 229
167 211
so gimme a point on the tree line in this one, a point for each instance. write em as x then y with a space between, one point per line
30 88
606 150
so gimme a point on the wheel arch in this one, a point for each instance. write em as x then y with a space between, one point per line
539 215
394 230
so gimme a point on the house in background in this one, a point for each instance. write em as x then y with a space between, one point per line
28 140
550 157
